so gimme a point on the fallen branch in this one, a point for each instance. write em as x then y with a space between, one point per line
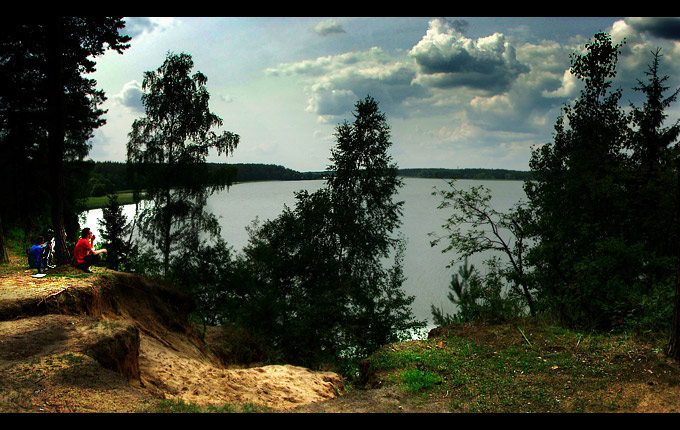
524 336
52 295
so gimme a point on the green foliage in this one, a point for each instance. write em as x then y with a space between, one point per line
653 190
418 380
474 227
597 242
29 51
165 151
204 270
269 172
117 236
605 224
477 174
180 406
578 198
108 177
479 298
124 198
492 368
318 286
145 261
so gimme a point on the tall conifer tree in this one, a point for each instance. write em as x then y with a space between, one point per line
577 195
320 285
48 109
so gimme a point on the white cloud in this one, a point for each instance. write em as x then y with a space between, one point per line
131 96
642 37
569 87
325 101
335 83
226 98
328 27
331 64
136 26
531 104
460 132
442 76
464 94
448 59
442 88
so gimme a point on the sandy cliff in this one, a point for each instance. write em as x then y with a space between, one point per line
113 341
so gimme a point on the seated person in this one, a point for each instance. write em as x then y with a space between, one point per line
36 255
84 254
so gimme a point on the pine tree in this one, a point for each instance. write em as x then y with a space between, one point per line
48 111
656 210
320 288
579 201
116 235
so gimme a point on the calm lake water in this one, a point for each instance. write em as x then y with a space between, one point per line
424 266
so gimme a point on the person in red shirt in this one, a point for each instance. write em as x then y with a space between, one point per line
85 255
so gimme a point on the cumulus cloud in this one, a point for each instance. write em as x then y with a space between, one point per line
336 82
131 96
501 87
663 27
458 132
643 36
460 25
328 27
135 26
448 59
531 105
324 100
569 87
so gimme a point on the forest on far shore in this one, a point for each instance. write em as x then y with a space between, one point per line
109 177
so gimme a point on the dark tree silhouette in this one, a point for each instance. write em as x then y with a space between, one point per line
48 110
166 152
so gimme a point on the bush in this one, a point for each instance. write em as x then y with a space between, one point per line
479 298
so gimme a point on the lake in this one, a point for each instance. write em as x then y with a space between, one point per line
424 266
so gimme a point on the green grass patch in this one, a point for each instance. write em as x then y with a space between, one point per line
520 367
180 406
124 198
416 380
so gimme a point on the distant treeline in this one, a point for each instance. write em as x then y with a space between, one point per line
111 176
269 172
466 174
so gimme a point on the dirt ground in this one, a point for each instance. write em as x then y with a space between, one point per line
115 342
181 373
50 326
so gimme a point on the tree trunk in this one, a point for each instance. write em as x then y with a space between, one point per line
674 344
167 226
530 300
4 258
56 114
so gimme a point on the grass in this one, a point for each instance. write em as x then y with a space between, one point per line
527 366
125 197
180 406
417 380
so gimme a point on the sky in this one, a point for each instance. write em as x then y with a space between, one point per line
458 92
